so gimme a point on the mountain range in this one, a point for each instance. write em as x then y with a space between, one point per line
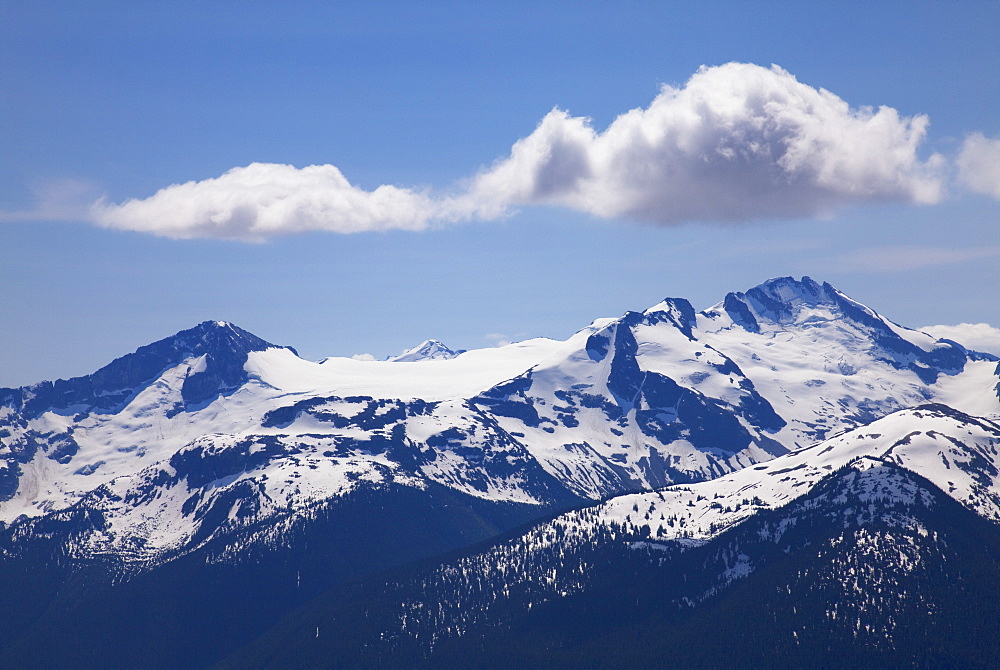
212 497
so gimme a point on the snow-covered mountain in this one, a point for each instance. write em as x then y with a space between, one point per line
958 453
428 350
668 395
216 448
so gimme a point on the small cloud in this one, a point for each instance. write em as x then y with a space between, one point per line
498 339
57 200
976 336
978 164
902 258
363 357
737 142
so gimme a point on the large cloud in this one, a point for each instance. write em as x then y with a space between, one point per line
979 164
737 142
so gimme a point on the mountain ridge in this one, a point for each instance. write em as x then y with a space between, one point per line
214 445
685 404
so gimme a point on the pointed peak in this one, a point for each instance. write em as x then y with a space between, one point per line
673 305
788 283
677 311
425 351
214 326
781 300
790 292
224 346
214 337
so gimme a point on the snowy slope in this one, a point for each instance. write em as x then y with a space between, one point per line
638 403
958 453
57 455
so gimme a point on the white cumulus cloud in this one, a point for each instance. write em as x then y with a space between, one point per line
976 336
265 199
737 142
979 164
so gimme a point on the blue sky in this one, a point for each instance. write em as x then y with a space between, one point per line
122 99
